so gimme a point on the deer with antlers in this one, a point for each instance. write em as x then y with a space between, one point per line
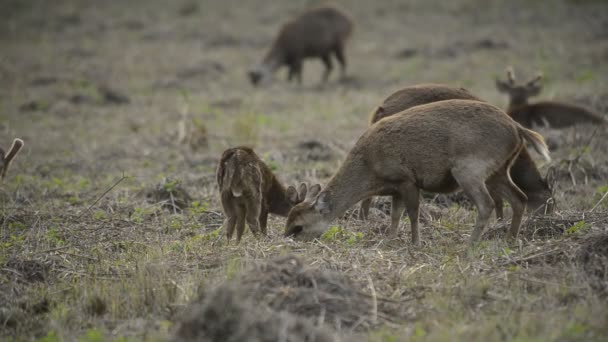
544 113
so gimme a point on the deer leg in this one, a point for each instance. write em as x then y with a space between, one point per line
502 184
240 224
297 71
263 219
364 209
397 208
231 215
253 216
339 52
411 195
229 224
473 184
497 204
328 67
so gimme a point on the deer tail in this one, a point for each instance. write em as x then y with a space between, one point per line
226 173
537 141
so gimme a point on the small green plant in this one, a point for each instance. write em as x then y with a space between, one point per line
170 185
585 76
332 234
198 208
599 195
336 233
99 215
139 214
55 237
578 226
506 251
49 337
354 238
93 335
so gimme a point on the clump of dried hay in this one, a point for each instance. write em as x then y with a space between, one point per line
223 315
592 256
285 287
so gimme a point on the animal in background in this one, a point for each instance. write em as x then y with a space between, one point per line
436 147
249 191
5 159
319 32
543 113
524 172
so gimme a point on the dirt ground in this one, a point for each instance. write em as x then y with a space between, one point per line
110 217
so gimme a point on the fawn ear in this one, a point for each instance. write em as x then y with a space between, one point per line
292 194
322 203
302 190
313 191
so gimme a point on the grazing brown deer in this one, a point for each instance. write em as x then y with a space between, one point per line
436 147
249 191
524 172
5 159
544 113
316 33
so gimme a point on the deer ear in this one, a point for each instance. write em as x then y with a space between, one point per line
502 86
313 191
322 203
292 194
302 190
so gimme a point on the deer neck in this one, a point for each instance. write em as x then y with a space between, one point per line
273 60
278 203
515 104
351 184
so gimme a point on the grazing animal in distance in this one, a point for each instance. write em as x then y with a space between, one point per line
543 113
319 32
524 172
249 191
5 159
436 147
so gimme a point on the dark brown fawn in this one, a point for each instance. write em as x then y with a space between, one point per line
524 172
5 159
544 113
249 191
436 147
319 32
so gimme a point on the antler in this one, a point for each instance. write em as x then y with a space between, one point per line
510 75
538 77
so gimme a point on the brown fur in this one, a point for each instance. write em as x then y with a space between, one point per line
524 172
545 113
316 33
249 191
5 160
435 147
417 95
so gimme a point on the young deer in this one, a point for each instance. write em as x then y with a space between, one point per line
544 113
318 32
249 191
436 147
5 159
523 172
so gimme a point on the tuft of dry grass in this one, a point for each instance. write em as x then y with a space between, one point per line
107 97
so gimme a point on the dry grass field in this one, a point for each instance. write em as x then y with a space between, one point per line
110 221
